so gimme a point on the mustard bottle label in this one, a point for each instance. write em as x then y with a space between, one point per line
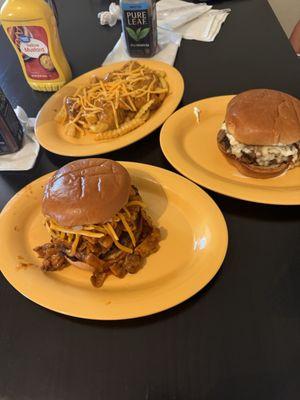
32 43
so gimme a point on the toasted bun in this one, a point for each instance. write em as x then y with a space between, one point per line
254 171
87 191
264 117
80 265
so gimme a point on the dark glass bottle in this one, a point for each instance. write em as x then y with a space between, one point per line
139 27
11 131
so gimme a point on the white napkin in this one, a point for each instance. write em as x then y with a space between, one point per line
172 14
193 21
23 159
206 27
168 43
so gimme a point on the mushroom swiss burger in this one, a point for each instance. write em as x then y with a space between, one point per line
261 133
96 220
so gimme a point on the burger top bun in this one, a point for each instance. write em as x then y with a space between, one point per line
264 117
87 191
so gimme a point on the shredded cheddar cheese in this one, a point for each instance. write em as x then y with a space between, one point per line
75 244
118 103
128 229
73 235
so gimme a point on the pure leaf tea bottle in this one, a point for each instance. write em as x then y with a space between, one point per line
139 27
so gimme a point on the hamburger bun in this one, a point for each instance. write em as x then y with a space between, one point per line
264 117
87 191
80 265
251 170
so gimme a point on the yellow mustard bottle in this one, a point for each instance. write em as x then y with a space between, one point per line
32 29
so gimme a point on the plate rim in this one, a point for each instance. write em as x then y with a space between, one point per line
249 193
112 147
179 299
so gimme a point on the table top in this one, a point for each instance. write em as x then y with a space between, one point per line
236 339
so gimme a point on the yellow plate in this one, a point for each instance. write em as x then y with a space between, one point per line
192 149
192 250
51 136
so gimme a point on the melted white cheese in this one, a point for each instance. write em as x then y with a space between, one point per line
265 155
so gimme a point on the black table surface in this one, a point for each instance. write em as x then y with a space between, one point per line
239 338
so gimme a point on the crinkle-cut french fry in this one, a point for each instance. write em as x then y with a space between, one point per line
125 128
78 90
144 109
99 127
162 74
79 129
145 116
94 79
134 90
61 116
164 83
91 118
71 130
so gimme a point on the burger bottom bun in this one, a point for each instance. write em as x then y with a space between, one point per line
254 171
81 265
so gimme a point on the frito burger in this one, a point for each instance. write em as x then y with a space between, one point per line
261 133
96 220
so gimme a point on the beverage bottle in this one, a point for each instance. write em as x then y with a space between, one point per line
139 27
31 27
11 131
